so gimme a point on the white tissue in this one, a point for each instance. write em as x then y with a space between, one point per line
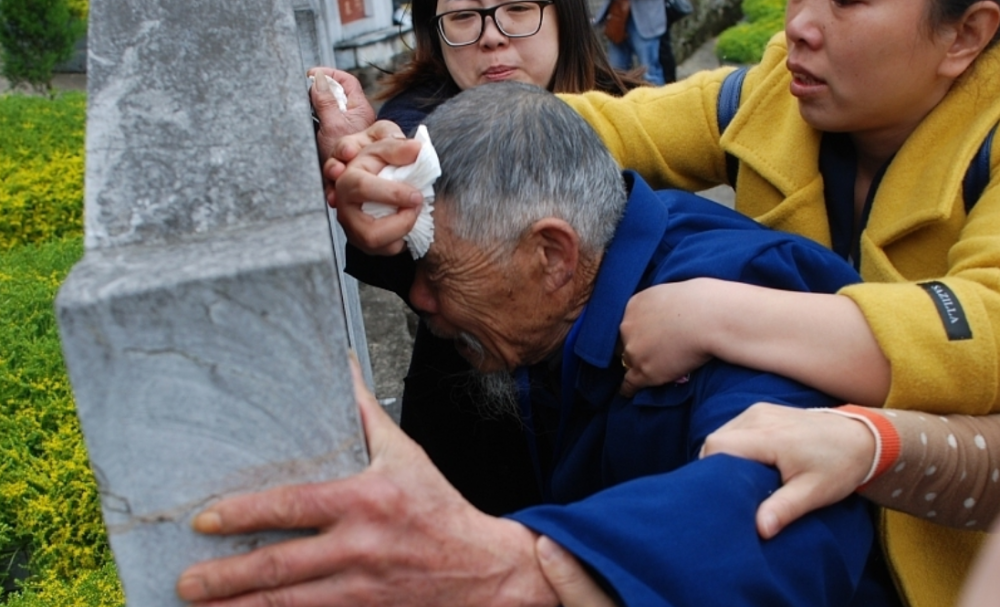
421 174
338 91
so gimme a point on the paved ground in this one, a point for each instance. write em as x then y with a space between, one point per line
390 325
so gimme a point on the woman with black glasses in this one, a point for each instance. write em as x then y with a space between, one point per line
464 43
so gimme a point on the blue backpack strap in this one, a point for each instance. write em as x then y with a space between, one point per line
978 174
729 102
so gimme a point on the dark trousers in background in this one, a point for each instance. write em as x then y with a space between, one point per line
667 60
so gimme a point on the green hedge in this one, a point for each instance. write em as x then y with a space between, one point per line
41 168
50 520
745 41
49 506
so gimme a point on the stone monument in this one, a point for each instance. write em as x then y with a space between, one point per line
204 331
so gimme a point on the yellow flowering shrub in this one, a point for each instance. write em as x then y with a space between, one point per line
41 168
93 587
49 505
80 8
50 523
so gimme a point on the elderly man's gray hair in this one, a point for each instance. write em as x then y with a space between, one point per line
513 153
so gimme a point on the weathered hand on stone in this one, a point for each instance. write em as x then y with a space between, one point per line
334 123
396 534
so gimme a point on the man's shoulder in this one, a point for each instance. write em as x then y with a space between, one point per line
681 201
691 221
694 215
704 239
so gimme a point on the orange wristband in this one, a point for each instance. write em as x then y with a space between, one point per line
887 443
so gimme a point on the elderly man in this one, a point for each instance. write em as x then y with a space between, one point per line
539 243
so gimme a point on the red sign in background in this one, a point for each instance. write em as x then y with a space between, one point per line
351 10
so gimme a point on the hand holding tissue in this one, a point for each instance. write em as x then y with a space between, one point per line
421 174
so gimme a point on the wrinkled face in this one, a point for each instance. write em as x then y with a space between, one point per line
483 299
865 65
496 57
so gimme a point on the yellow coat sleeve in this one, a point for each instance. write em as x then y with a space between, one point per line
937 365
667 134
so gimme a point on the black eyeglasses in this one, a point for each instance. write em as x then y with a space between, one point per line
514 19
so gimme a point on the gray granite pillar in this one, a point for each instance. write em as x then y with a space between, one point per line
204 330
317 49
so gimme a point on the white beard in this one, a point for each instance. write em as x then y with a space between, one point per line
499 395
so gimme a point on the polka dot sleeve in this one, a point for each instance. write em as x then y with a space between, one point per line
947 470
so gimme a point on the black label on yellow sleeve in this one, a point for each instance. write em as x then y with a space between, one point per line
956 325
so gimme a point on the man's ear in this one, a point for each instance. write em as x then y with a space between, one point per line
555 252
973 33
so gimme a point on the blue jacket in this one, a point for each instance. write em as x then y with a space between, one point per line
627 493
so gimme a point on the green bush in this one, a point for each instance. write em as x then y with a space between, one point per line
745 41
35 36
49 505
761 10
41 168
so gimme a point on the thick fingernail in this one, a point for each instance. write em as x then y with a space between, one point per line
207 522
416 198
191 588
321 83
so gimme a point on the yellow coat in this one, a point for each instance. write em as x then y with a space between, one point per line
917 231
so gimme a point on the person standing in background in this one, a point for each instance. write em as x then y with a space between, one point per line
645 24
676 10
668 63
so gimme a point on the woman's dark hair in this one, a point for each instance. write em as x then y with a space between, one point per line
950 11
582 64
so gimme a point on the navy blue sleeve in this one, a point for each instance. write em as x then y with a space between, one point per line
404 113
687 536
709 240
408 109
761 257
688 539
